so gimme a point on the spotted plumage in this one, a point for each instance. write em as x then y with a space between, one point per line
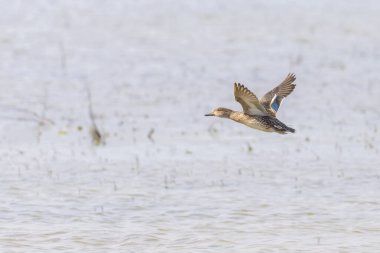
259 114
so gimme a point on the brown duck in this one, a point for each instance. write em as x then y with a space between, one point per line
259 114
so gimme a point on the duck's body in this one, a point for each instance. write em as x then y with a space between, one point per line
259 114
263 123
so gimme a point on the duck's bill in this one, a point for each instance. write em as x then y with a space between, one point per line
209 114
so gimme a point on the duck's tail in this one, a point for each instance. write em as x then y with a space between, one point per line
281 128
291 130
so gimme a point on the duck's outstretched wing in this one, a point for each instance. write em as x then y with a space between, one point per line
248 100
272 100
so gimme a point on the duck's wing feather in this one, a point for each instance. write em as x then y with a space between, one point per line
248 100
272 99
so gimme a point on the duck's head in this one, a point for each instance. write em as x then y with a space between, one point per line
220 112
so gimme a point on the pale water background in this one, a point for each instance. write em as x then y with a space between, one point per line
168 179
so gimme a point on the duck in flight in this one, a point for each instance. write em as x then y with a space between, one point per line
259 114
